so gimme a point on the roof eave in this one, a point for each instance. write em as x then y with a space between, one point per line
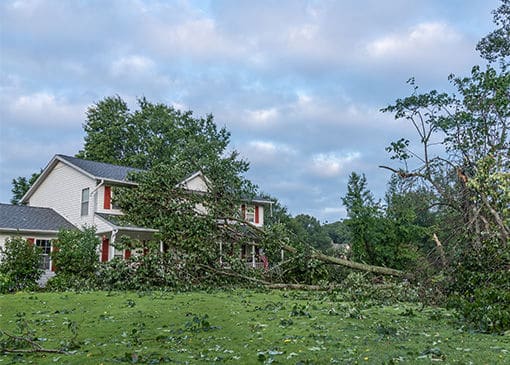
137 229
21 230
117 182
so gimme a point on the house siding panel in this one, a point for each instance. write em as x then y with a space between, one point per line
196 184
260 221
67 183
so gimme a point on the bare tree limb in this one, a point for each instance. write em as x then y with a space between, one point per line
35 346
440 249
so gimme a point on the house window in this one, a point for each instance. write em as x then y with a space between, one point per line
85 202
117 253
109 199
45 246
114 202
250 214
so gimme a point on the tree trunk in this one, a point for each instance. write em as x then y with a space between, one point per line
350 264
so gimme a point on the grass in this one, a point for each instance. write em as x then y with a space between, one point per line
239 327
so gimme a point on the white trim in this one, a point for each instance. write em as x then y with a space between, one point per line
31 231
136 229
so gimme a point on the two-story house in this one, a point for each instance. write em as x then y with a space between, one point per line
78 193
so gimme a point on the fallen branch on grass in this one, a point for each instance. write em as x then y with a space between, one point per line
35 346
270 285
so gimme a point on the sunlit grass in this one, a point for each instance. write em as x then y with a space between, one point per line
241 327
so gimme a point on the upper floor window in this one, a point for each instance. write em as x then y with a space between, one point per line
85 202
250 214
109 201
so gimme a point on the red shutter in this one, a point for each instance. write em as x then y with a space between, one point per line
30 241
256 214
107 197
243 211
127 254
105 246
53 267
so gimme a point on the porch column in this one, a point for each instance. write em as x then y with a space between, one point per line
253 255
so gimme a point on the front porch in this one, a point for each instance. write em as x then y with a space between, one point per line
115 232
252 255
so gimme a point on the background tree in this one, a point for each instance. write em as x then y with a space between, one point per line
309 229
155 134
20 186
385 236
338 232
496 45
363 213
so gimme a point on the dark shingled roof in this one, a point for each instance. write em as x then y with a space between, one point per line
101 170
22 217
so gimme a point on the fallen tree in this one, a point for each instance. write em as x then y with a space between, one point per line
321 256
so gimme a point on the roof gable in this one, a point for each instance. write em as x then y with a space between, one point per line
26 218
195 182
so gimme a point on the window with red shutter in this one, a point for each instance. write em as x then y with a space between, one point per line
53 267
105 247
107 197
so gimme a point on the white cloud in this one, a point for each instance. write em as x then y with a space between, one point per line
267 147
262 116
131 65
331 164
266 152
421 39
45 109
197 37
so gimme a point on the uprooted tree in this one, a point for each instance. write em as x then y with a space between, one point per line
462 157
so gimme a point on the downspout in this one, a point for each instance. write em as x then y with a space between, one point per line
93 192
112 242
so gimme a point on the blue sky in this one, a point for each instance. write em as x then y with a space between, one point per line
298 83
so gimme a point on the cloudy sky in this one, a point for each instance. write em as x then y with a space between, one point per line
298 83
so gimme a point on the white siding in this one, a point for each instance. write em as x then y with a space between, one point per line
196 184
61 190
261 216
3 238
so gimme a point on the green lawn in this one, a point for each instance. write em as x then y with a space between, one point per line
241 327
